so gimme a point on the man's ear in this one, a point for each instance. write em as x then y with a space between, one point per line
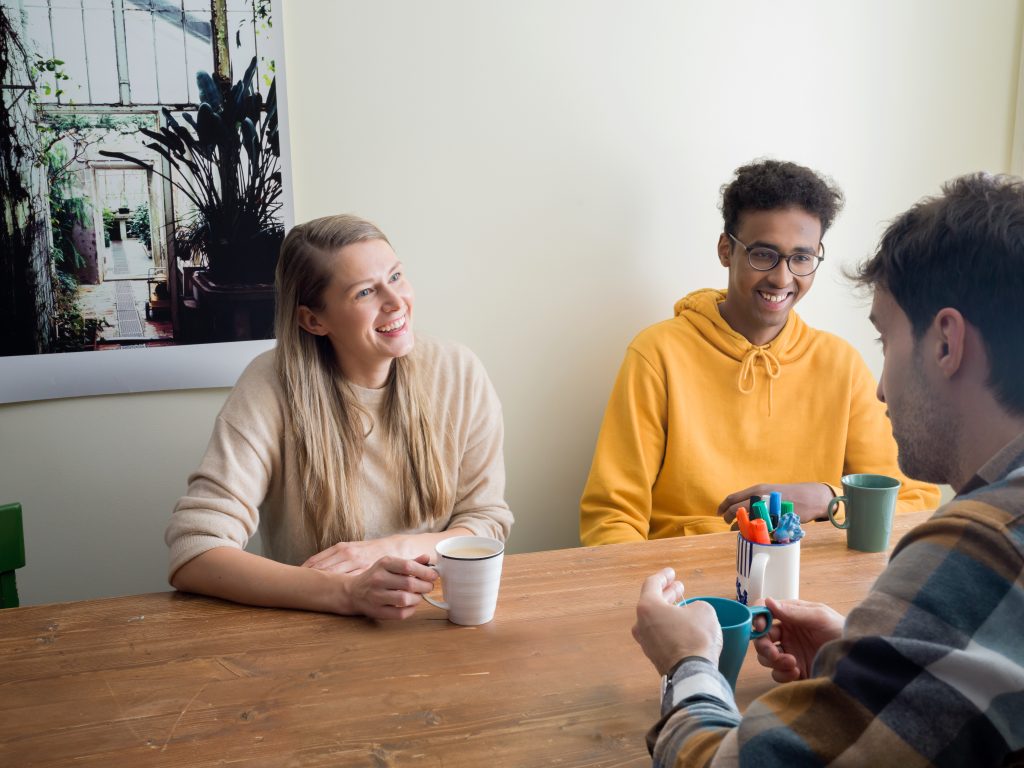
724 249
309 322
951 336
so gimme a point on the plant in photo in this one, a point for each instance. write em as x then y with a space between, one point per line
67 208
72 331
226 161
109 226
138 224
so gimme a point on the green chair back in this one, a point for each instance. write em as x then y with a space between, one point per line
12 553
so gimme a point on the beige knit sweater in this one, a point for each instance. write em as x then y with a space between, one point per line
248 478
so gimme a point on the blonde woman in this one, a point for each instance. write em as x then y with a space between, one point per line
354 446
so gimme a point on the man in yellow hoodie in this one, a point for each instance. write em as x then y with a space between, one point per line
736 396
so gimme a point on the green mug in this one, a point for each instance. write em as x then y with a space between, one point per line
869 501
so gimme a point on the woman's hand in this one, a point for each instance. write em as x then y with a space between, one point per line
800 629
390 588
354 557
810 500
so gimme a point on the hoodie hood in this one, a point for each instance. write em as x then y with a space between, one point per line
700 309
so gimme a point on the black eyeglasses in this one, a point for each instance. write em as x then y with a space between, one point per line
765 259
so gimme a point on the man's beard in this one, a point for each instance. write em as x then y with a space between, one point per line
926 433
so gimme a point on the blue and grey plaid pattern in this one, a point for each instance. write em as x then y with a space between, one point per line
929 670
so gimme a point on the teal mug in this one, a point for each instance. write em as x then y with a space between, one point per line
737 622
870 501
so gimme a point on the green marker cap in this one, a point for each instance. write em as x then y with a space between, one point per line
760 509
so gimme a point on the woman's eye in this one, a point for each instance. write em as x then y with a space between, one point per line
364 293
395 277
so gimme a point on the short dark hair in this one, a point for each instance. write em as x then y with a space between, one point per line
768 185
963 249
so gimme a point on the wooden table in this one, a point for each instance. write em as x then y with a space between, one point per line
169 679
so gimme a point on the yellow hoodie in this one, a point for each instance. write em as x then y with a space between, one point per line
698 412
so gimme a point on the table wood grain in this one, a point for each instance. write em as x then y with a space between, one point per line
169 679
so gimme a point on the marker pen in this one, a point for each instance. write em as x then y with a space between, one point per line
759 532
775 506
743 519
760 511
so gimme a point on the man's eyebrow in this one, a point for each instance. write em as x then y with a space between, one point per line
774 247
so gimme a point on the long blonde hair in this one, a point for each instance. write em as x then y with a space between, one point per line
327 419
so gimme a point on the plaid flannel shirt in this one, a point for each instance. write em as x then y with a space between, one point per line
929 669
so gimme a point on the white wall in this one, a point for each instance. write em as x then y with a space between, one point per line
549 171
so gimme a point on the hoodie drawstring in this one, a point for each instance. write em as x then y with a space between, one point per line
772 368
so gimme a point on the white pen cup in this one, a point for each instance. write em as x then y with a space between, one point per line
767 570
470 570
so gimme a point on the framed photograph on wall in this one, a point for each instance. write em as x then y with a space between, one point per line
146 193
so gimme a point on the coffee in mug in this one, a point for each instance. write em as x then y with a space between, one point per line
469 552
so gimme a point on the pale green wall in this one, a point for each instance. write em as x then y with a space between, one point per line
548 171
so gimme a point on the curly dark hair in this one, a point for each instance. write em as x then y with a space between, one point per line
767 185
963 249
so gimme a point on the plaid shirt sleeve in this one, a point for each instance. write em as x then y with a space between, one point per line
930 668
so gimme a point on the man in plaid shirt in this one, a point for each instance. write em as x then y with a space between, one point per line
929 669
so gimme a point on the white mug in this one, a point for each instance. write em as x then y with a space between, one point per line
470 569
767 570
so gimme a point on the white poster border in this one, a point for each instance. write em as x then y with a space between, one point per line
150 369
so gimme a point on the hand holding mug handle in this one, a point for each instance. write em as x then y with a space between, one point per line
428 598
760 610
832 505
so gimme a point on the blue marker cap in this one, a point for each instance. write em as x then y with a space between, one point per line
775 504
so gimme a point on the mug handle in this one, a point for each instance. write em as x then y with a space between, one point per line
760 610
436 603
832 509
755 586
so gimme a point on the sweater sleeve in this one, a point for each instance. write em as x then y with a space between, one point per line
870 447
480 489
929 670
616 502
221 506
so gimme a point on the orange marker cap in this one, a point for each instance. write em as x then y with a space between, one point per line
743 519
759 532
